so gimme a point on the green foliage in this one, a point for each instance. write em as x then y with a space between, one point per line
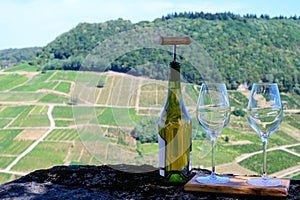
39 81
4 177
82 39
72 63
64 87
66 76
101 82
45 155
63 134
22 67
15 56
118 117
62 112
11 80
31 117
297 177
239 113
296 149
12 111
10 145
54 98
283 159
5 161
245 49
145 131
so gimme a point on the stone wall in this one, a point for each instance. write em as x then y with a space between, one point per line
105 182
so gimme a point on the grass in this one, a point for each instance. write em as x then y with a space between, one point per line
8 143
20 96
63 135
64 87
276 161
21 67
64 75
38 82
149 148
4 122
105 92
64 123
279 138
5 161
190 95
289 102
54 98
36 86
4 177
63 112
152 94
296 149
202 153
48 154
118 117
31 117
297 177
239 96
45 155
63 146
11 80
80 154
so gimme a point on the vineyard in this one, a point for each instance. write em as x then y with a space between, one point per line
39 128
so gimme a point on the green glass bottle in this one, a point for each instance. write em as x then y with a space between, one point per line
175 132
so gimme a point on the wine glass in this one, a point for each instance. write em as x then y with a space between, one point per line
213 114
265 114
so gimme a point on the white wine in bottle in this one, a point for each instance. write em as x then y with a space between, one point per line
175 132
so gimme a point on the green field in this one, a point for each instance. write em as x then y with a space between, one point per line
93 125
21 67
63 87
12 80
38 82
54 98
296 149
9 144
276 161
33 116
63 135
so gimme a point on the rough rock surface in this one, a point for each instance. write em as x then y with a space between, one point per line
106 182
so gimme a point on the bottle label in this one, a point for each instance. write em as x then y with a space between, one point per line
162 155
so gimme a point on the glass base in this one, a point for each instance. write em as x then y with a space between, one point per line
212 179
264 182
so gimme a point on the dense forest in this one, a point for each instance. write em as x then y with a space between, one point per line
15 56
245 49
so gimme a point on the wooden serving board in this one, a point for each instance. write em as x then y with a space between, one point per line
239 185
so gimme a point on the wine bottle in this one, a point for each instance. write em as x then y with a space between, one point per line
175 132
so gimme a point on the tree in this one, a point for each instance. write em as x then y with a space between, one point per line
101 82
239 113
145 131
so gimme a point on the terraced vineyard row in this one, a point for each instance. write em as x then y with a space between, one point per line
62 118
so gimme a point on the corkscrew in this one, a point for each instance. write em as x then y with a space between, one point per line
175 41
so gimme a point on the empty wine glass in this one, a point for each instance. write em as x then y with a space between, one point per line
265 114
213 113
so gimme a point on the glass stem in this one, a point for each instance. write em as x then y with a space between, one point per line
213 142
264 143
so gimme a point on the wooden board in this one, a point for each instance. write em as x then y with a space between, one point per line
239 185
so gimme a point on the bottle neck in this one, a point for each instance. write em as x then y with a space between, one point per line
174 78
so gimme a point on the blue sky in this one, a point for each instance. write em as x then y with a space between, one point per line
28 23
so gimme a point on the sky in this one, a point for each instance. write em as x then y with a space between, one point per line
31 23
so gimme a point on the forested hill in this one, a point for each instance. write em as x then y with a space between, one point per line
245 49
15 56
